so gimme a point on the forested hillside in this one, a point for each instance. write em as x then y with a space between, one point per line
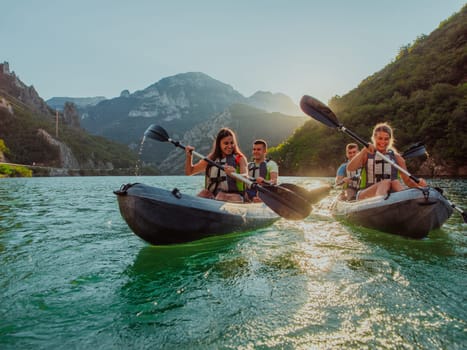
20 134
422 94
30 135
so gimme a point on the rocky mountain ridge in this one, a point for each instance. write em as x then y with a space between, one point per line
58 103
237 117
11 85
180 103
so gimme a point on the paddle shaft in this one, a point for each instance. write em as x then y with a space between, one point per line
291 187
287 204
211 162
411 153
319 111
463 213
249 182
387 159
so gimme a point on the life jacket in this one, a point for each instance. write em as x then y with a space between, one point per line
378 169
355 176
217 180
261 169
256 170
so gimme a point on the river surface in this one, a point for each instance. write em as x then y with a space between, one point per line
74 276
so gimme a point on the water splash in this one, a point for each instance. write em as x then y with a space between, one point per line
139 162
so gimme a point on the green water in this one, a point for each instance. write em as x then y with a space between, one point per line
73 276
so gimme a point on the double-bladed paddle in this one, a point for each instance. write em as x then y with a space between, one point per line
319 111
281 200
322 113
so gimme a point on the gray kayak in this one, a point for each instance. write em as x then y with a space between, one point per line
413 212
162 217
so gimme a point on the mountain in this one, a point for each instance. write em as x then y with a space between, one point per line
248 122
422 94
11 85
277 102
58 103
33 134
179 103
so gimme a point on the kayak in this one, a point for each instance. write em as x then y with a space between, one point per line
413 212
163 217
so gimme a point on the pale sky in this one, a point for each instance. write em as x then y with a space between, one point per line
323 48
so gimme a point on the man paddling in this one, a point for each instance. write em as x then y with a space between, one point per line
261 169
348 179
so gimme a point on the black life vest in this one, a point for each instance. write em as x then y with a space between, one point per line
255 170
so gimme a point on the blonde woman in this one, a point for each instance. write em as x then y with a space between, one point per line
378 176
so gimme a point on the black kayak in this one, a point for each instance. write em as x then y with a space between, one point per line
162 217
412 213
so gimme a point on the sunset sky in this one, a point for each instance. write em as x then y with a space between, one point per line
99 48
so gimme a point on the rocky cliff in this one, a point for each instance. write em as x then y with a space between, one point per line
11 85
27 125
249 124
178 103
67 159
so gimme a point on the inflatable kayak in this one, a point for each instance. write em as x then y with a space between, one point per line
412 213
161 217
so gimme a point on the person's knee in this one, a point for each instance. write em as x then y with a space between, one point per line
396 186
205 194
229 197
386 184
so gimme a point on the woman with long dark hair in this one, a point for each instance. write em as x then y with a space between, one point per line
219 184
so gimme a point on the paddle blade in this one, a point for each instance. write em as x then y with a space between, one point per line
319 111
312 196
157 133
284 202
415 150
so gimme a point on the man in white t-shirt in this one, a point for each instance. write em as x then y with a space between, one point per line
261 169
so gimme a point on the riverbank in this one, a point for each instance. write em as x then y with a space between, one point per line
7 170
22 170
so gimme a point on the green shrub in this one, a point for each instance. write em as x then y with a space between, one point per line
14 171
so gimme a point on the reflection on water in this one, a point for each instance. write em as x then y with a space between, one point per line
74 275
154 259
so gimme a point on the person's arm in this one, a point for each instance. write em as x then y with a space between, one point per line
191 169
407 180
340 174
243 168
274 177
360 159
273 172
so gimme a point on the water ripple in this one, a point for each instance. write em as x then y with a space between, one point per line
72 274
